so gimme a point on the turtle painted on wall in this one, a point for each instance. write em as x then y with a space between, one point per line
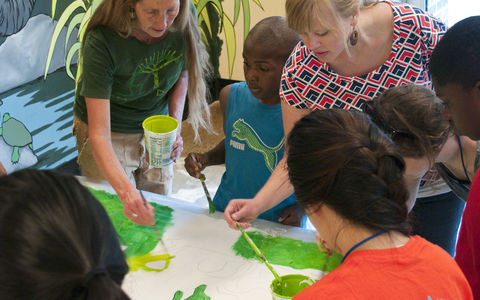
15 134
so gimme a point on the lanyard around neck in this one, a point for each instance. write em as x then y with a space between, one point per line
463 161
362 242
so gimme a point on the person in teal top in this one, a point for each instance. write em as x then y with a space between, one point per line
139 58
254 138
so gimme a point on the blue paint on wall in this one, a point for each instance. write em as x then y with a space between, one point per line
45 107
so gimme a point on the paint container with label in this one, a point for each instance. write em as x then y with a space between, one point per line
160 134
289 286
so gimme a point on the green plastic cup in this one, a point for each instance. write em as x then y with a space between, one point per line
160 133
289 286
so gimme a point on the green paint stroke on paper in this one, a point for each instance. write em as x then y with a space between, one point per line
287 252
138 239
140 262
198 294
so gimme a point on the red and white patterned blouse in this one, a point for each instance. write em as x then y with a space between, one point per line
308 82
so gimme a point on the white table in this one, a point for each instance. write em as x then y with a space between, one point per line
202 246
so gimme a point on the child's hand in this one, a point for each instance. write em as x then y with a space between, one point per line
292 215
195 163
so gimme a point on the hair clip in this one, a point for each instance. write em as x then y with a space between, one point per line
388 129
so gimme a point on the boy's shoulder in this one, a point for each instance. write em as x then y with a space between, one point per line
234 88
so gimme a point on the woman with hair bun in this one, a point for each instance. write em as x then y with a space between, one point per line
348 175
56 240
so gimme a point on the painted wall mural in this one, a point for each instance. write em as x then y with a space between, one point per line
36 114
39 43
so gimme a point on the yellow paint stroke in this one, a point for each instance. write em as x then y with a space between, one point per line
140 262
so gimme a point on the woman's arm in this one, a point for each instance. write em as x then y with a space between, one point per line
275 190
176 105
99 135
415 168
197 162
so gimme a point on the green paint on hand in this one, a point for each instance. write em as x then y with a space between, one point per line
140 262
138 239
198 294
287 252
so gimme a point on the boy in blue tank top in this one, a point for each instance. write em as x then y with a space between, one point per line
252 121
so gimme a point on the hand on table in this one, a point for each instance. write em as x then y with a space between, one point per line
195 163
292 215
177 148
135 209
242 211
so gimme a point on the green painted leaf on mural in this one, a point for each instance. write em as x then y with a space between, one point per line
54 8
236 11
68 61
257 2
230 41
246 18
58 28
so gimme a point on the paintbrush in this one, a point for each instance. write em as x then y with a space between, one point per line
155 229
211 206
257 251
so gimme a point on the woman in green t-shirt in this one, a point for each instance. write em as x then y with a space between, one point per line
138 59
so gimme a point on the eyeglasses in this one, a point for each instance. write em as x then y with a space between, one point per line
384 126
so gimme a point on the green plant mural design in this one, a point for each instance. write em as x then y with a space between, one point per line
78 13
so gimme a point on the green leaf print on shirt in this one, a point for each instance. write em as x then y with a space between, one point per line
139 240
244 132
156 62
151 65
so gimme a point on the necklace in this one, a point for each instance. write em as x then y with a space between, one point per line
362 242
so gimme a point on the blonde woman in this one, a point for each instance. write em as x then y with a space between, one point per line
351 51
139 58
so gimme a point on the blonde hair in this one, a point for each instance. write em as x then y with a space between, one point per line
301 14
116 15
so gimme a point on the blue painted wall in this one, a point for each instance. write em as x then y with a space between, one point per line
33 108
